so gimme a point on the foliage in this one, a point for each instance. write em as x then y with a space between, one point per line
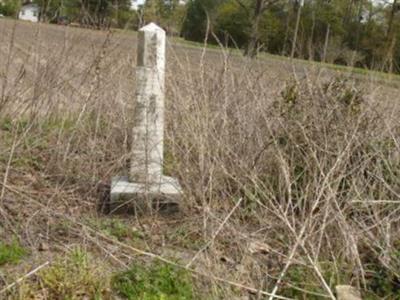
49 10
100 14
9 8
356 33
156 282
232 24
168 14
200 14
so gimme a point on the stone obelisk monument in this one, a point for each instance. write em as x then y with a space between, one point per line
146 187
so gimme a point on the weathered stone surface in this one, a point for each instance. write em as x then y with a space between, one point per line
146 188
347 292
129 196
148 131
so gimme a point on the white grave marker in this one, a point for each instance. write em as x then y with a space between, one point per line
146 186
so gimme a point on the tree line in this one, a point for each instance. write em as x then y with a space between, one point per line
363 33
103 14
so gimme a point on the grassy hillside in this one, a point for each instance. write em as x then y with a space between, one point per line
290 174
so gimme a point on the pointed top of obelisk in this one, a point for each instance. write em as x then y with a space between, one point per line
153 27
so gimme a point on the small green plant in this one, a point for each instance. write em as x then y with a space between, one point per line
290 94
169 159
300 278
156 282
381 281
75 277
6 124
11 253
119 229
302 282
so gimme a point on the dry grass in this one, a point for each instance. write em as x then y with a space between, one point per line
290 174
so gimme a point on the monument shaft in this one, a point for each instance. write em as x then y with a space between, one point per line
148 131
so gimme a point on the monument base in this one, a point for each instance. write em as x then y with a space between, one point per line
131 197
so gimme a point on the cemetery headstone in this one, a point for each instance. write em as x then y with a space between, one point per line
146 187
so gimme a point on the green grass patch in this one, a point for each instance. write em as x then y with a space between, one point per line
116 228
77 276
156 282
11 253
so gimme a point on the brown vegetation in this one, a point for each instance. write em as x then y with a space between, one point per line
290 173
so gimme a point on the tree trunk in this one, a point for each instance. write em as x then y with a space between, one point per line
390 39
311 39
296 29
349 12
359 25
286 33
390 55
328 29
252 48
43 11
391 19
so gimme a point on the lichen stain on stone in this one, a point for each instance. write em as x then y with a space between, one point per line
152 108
152 57
138 118
141 46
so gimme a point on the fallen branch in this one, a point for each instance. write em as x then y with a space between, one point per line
19 280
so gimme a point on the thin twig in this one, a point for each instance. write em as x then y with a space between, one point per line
215 234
